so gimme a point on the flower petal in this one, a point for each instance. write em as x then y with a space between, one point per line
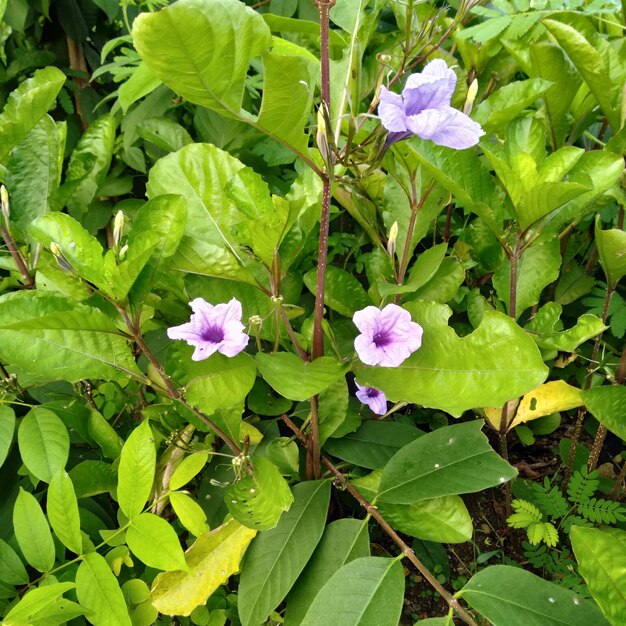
433 93
446 127
374 398
366 320
391 111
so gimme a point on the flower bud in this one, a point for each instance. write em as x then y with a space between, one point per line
60 258
6 208
393 237
471 96
118 225
255 320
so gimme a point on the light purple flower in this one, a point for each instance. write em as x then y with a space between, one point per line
212 329
374 398
388 336
424 110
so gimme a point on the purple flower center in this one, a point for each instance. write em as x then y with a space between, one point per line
213 334
372 393
382 339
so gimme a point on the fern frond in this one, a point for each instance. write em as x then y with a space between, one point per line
550 500
525 514
542 532
602 511
582 486
574 520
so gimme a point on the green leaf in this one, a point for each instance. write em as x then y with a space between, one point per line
277 557
34 171
508 102
35 603
89 164
155 543
44 443
443 520
136 470
495 363
62 509
592 65
12 570
612 252
7 428
343 541
259 498
296 379
99 592
215 383
213 558
601 556
608 405
190 514
373 444
536 269
544 198
104 435
52 337
343 293
511 596
209 48
450 460
372 591
141 83
32 532
189 467
27 105
91 478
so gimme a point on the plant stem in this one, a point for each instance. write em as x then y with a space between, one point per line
29 283
170 389
582 412
373 512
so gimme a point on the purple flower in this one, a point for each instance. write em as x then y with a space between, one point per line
212 329
424 110
374 398
388 337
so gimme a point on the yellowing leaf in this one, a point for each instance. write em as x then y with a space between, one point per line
214 557
548 398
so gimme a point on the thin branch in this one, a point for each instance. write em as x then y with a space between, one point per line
373 512
29 283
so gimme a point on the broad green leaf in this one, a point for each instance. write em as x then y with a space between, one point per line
44 443
511 596
215 383
259 498
12 570
213 558
372 591
495 363
32 532
343 293
93 477
443 520
34 171
104 435
155 543
99 592
62 509
189 467
140 83
296 379
547 399
508 102
335 418
27 105
444 285
450 460
136 470
7 428
373 444
189 513
52 337
343 541
209 48
277 557
601 556
608 405
35 603
536 269
591 64
200 173
544 198
612 252
89 164
62 611
82 250
164 133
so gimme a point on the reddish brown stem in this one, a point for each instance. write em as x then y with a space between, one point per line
29 283
373 512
